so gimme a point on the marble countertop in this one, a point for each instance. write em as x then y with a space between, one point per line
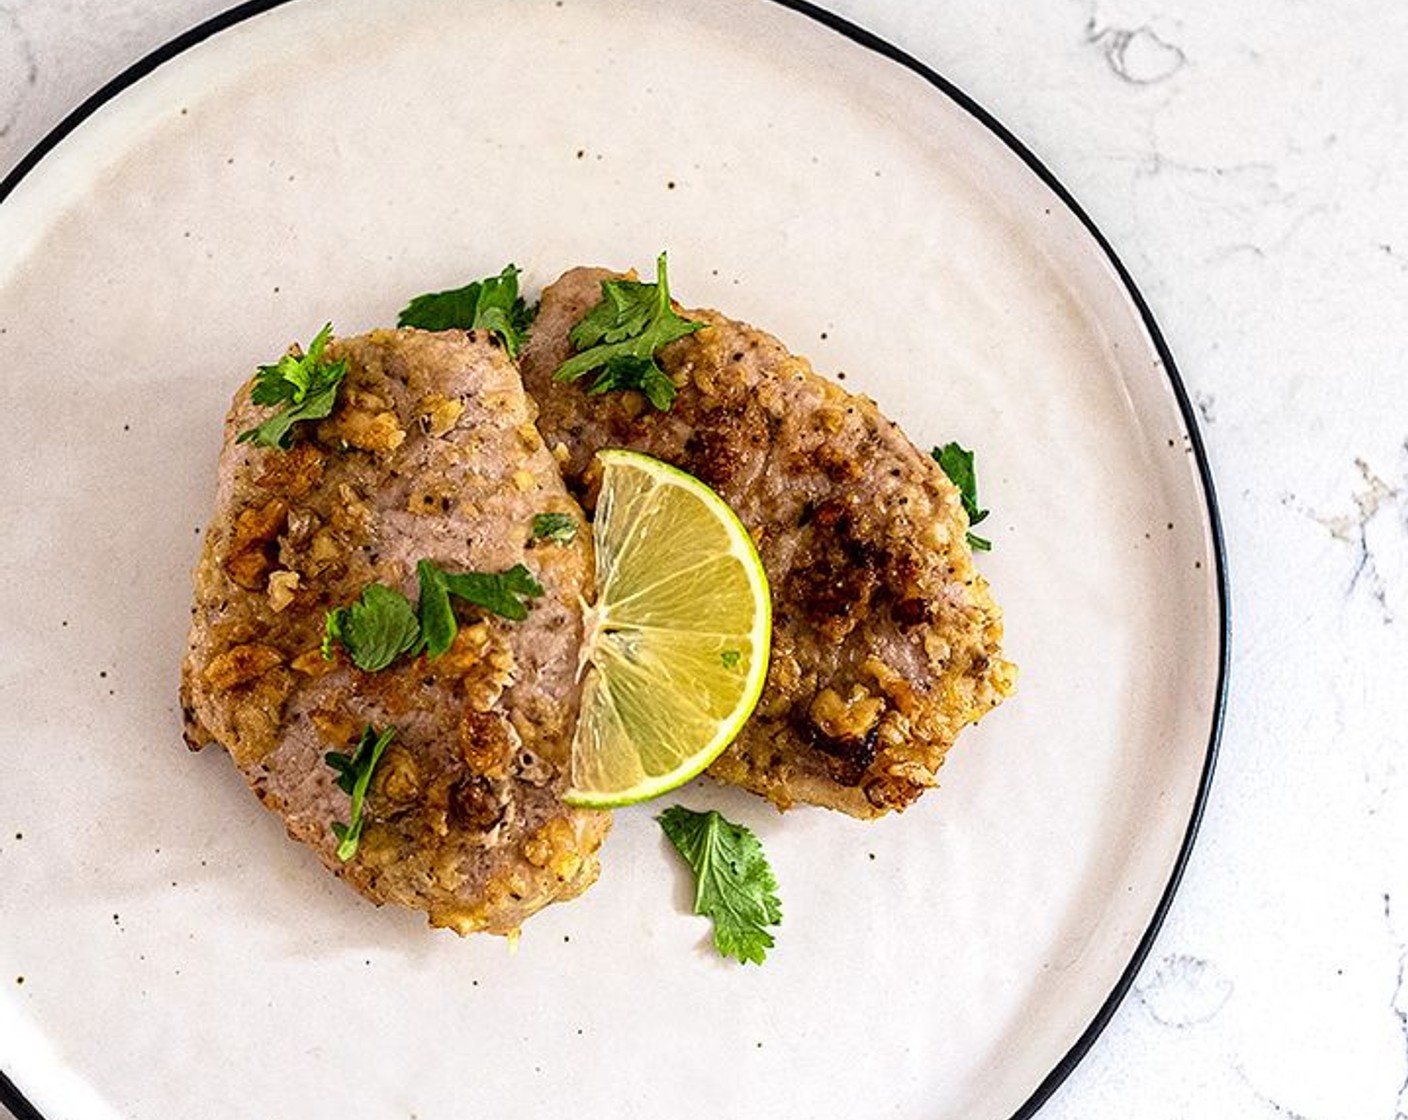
1249 162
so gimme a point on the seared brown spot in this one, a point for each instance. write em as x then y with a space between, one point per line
911 612
473 803
715 453
835 572
849 758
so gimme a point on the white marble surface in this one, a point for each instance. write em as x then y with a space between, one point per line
1248 159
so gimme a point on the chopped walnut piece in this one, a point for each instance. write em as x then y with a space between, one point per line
255 542
242 664
282 585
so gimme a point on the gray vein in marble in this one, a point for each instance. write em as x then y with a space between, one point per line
16 56
1373 498
1183 991
1205 403
1139 55
1396 1005
1260 175
1277 1109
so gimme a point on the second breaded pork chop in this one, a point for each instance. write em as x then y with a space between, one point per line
886 640
429 454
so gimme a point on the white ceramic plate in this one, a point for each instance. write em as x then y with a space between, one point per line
325 160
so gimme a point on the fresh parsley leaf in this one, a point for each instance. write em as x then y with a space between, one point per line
734 885
559 527
304 384
354 775
437 617
730 658
630 372
620 335
492 303
375 630
957 463
503 593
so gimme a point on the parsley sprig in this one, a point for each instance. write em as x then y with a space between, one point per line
491 304
375 630
501 592
620 335
354 776
382 624
558 527
304 384
734 884
957 463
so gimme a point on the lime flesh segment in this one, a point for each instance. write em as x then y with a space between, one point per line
676 647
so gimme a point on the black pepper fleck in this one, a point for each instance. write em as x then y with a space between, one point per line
670 185
19 979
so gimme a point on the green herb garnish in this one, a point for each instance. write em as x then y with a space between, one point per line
304 384
354 775
500 592
621 334
734 886
375 630
492 304
730 658
957 463
559 527
629 372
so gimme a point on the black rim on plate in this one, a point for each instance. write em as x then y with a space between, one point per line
10 1094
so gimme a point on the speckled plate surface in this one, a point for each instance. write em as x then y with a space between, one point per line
166 951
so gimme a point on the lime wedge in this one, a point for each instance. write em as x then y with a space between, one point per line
676 647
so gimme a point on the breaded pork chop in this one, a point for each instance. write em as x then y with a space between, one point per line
430 453
885 638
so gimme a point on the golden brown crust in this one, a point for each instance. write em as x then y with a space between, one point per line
886 640
424 457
